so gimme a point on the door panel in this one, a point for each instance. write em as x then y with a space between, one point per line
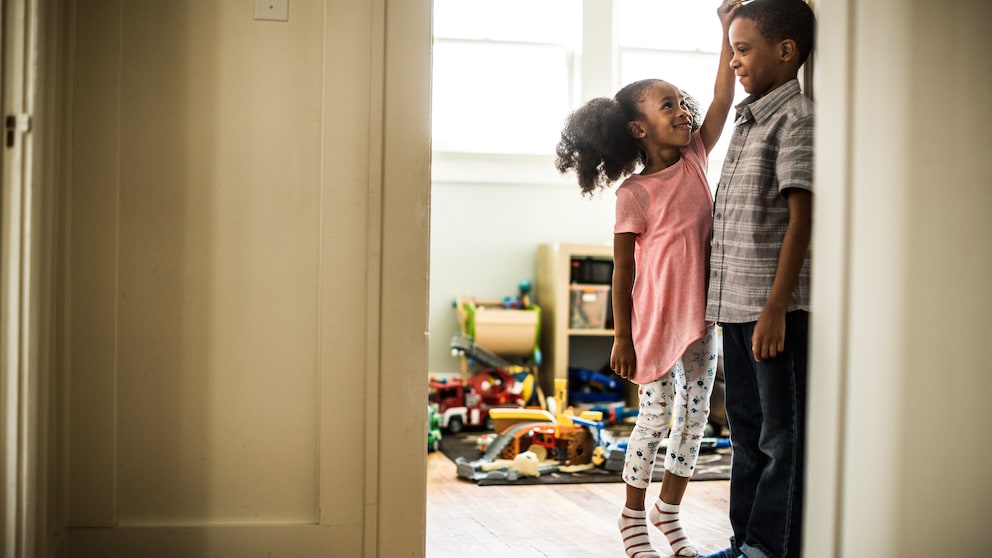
198 196
247 266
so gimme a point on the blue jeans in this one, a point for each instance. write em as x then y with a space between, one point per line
766 411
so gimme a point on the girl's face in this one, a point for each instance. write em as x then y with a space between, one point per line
756 62
665 120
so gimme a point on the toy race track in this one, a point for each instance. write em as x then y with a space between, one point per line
464 344
471 470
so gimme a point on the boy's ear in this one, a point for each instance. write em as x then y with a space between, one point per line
636 130
787 50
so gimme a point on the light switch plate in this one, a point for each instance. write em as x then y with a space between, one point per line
272 10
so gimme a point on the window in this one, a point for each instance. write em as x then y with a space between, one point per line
677 41
507 73
503 73
494 97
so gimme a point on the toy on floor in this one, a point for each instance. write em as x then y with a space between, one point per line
508 327
487 379
460 405
615 413
526 463
504 418
523 386
482 468
589 386
566 441
433 429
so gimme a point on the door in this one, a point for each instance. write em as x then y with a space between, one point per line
247 280
14 364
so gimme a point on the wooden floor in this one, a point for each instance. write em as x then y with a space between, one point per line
552 521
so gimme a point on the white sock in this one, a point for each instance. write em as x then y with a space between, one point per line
665 517
634 533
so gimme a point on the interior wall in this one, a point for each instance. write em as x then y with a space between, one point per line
908 397
484 239
54 39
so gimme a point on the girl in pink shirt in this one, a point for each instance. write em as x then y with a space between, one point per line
662 341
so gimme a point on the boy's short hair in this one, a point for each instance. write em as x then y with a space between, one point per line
778 20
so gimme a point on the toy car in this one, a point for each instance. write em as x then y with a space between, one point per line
460 405
433 429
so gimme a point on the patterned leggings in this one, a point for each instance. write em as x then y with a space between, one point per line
686 391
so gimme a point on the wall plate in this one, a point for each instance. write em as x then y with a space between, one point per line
272 10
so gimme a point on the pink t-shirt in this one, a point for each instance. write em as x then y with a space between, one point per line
671 212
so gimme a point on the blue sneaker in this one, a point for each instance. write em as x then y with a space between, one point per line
725 553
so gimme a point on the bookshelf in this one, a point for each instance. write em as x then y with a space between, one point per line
563 345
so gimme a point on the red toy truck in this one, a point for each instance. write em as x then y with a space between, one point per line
461 405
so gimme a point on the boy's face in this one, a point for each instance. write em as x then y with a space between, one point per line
760 66
666 120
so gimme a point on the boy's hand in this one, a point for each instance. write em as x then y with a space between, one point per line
769 333
768 339
623 360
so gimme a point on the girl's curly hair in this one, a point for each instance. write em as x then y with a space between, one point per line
595 142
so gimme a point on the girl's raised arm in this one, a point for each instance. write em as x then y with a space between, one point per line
723 91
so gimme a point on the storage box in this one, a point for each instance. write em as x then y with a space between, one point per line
505 332
589 305
591 271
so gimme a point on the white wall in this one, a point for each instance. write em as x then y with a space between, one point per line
484 240
900 379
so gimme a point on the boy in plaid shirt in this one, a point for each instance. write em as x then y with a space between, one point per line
759 277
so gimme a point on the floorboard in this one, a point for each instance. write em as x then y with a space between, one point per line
551 521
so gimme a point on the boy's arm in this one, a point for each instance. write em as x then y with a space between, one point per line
623 360
723 90
769 333
794 171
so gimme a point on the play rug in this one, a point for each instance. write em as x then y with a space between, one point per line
713 464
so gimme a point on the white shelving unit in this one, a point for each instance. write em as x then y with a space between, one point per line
561 345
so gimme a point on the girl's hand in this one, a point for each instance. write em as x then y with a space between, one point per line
723 89
623 360
726 11
768 339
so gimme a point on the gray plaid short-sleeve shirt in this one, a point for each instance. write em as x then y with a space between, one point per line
771 151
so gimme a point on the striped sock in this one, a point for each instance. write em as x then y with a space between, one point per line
634 532
665 517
